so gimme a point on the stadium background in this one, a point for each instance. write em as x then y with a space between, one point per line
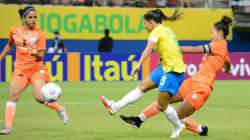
81 28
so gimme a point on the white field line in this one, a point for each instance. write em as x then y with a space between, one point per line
100 104
207 108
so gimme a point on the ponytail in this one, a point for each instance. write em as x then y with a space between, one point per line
158 16
223 25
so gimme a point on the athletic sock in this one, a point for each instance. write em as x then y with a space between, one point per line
149 111
172 116
192 125
55 106
10 112
130 98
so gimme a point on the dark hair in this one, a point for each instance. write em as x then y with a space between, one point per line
56 33
223 25
158 16
106 31
24 11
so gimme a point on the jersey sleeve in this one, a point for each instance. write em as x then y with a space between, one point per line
11 39
41 42
154 37
218 48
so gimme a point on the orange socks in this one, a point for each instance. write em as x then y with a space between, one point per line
149 111
192 125
55 106
152 110
10 112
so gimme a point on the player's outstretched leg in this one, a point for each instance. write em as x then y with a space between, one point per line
133 96
17 86
195 127
130 98
60 110
107 104
134 121
10 111
147 113
137 121
204 131
37 85
63 116
6 131
173 118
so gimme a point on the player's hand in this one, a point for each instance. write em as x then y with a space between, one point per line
227 71
37 54
33 52
135 70
227 67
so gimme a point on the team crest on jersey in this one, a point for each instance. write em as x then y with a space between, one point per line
33 39
42 71
194 96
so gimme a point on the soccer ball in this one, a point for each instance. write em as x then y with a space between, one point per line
51 92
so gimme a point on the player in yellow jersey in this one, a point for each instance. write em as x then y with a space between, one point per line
168 76
195 91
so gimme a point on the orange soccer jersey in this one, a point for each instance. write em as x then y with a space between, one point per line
198 88
212 63
28 41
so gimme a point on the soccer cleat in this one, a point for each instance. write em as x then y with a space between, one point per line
6 131
204 131
107 105
134 121
177 131
63 116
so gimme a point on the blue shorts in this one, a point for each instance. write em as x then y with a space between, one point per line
167 82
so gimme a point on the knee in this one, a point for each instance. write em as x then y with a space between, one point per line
143 88
180 116
162 107
14 96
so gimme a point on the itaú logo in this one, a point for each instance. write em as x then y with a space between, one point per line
240 69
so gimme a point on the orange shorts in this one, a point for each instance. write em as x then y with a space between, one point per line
195 92
28 77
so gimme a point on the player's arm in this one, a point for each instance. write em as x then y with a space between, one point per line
147 51
196 49
39 54
158 62
7 49
227 67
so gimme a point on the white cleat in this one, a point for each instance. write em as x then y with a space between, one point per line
63 116
107 104
177 131
5 131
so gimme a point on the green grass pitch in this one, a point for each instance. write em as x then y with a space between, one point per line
227 113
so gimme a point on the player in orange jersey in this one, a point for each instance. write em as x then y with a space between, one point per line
29 67
195 91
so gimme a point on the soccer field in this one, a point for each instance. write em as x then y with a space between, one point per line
227 113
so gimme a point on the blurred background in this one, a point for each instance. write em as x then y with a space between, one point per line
91 30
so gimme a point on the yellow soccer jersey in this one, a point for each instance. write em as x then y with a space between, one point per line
168 48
